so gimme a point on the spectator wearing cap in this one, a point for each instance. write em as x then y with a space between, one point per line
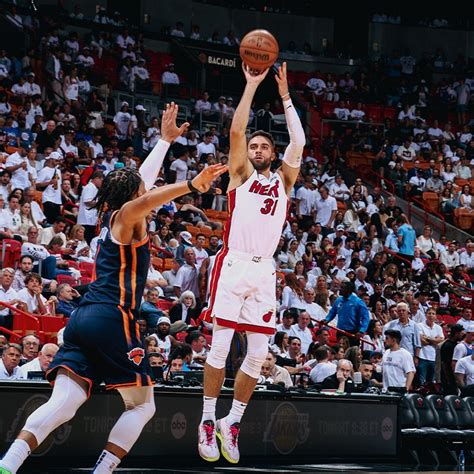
32 88
464 347
287 321
9 363
88 214
163 338
339 271
122 121
352 313
50 181
397 364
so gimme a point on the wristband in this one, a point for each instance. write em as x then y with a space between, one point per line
285 95
191 187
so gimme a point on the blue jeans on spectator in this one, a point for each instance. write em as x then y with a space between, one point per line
426 371
49 270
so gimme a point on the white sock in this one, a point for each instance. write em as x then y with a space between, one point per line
16 455
209 409
236 412
106 463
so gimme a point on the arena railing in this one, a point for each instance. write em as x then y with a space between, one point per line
426 216
24 315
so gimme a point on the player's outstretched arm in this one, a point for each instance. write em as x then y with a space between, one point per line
294 151
240 167
135 211
150 168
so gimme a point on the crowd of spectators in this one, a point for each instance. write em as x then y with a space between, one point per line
348 257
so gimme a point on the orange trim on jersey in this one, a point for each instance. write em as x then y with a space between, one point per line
139 380
133 275
137 328
89 381
94 274
141 242
126 326
123 267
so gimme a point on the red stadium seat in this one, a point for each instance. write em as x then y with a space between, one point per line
165 305
66 279
11 253
86 268
50 325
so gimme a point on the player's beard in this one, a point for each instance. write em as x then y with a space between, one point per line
261 165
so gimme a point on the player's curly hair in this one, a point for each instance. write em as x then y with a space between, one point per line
118 187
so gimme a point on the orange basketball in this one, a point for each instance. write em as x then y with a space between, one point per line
259 49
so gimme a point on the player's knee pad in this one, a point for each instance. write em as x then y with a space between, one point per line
257 350
221 340
65 400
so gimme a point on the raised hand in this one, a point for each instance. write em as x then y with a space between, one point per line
282 81
252 76
169 130
204 179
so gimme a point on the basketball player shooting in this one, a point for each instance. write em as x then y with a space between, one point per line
243 281
102 342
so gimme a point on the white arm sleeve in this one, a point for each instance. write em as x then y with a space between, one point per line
294 150
150 168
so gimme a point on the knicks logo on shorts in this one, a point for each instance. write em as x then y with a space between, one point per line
136 355
267 316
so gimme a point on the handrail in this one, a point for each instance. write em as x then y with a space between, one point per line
10 333
162 250
22 313
380 178
396 255
346 333
427 214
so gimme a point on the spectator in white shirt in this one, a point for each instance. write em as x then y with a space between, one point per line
434 132
339 190
11 356
397 364
7 294
450 258
302 331
342 112
467 257
41 363
464 373
315 311
88 214
178 30
324 368
325 208
124 39
431 336
358 114
179 167
317 87
169 76
31 87
406 152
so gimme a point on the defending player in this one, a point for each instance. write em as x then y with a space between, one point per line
102 341
242 294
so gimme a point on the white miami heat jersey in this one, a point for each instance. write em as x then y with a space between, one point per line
257 211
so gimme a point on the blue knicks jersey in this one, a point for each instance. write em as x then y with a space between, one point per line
120 272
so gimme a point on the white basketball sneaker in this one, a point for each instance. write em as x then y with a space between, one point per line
228 435
207 446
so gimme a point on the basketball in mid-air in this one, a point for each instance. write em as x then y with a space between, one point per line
259 49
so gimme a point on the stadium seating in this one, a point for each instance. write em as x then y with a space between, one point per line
11 253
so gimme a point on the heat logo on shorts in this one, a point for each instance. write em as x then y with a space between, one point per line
136 355
267 316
